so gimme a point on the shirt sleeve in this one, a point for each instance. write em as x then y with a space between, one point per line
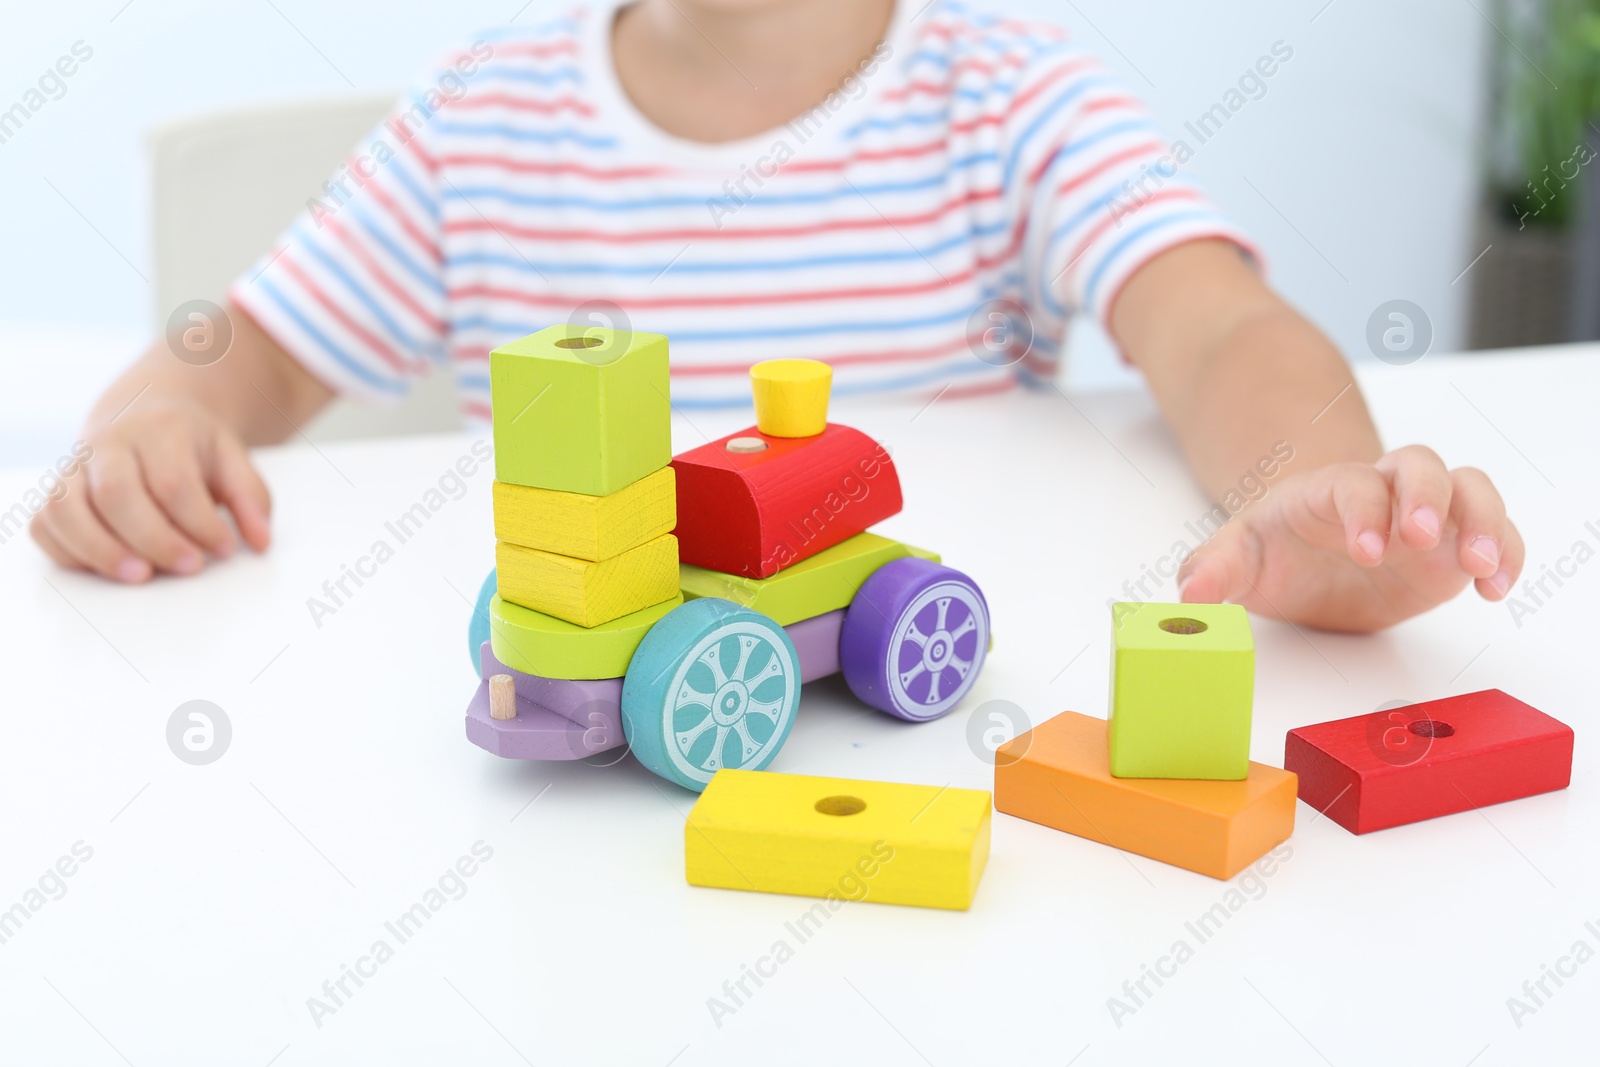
354 289
1101 189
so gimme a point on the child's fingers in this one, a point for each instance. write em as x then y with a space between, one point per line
1361 497
237 485
121 498
53 548
1512 556
173 473
74 529
1485 535
1423 488
1225 568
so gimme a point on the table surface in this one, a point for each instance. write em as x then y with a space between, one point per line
209 904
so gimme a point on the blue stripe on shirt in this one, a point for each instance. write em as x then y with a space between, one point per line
518 133
756 199
355 367
308 243
685 266
429 279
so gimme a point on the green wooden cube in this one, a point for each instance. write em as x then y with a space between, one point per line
1182 679
581 410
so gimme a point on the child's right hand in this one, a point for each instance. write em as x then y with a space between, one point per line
147 497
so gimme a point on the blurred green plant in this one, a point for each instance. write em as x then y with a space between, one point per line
1547 107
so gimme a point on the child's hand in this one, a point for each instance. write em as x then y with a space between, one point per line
147 497
1358 547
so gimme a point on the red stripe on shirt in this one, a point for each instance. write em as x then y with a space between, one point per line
522 103
478 224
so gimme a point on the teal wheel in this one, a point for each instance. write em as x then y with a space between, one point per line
478 625
712 685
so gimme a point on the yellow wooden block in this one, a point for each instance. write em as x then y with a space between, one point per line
588 592
791 396
838 838
587 527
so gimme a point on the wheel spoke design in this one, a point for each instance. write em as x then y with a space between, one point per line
731 699
687 738
712 657
936 648
751 747
767 709
689 696
773 668
713 762
747 645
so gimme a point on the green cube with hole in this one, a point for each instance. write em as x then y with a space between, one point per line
1182 683
580 409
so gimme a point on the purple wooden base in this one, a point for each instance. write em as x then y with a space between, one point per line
557 719
817 641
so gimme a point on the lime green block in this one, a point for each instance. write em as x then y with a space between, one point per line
815 586
1182 680
580 410
535 643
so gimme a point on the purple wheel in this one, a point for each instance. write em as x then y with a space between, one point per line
914 639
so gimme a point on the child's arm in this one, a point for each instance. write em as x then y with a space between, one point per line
1347 537
168 444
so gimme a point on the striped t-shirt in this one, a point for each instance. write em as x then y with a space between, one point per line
972 166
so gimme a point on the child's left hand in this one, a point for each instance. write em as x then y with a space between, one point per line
1357 547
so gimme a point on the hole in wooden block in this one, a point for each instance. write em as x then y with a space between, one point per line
841 805
579 342
1431 728
742 445
1183 626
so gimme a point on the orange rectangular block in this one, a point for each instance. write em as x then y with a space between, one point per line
1059 775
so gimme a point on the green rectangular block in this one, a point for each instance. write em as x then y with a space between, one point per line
1182 682
815 586
580 409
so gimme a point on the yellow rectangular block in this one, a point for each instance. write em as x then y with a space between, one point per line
588 592
838 838
587 527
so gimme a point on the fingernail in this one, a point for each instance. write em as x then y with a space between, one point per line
133 571
1371 542
1486 549
188 563
1500 583
1428 521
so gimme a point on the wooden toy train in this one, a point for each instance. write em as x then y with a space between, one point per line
676 605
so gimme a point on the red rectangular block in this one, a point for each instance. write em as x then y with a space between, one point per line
1418 762
751 504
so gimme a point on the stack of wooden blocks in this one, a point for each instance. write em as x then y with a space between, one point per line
584 497
1169 775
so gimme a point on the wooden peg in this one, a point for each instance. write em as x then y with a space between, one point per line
502 697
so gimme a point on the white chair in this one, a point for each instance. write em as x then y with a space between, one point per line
226 184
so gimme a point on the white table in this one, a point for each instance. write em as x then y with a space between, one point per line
219 898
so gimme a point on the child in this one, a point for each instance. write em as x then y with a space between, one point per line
850 180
